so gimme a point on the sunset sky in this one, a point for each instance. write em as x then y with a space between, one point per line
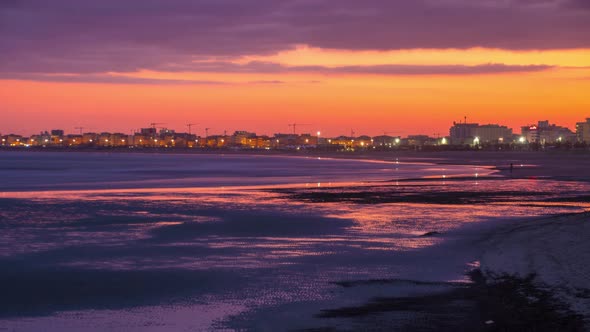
375 66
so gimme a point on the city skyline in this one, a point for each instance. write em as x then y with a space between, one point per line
375 66
299 129
460 134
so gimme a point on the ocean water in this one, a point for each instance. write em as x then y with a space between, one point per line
152 242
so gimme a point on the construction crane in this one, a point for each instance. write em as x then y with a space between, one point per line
80 129
207 133
294 125
190 125
154 124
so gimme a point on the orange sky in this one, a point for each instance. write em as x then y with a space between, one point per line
333 102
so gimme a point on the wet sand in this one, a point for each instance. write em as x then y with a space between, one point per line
501 296
507 303
533 274
558 165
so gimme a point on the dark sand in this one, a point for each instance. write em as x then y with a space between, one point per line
506 304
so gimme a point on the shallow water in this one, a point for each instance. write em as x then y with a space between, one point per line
83 171
254 253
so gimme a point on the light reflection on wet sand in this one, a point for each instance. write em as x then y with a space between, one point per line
286 249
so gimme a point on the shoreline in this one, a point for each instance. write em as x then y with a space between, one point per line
567 165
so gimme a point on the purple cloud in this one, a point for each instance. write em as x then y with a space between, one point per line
393 70
275 68
108 79
91 37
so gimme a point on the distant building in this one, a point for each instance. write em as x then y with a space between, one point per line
57 133
73 140
544 132
493 133
217 141
386 141
166 131
149 132
43 139
463 133
364 141
90 138
530 133
139 140
583 131
244 139
420 140
281 141
342 142
13 140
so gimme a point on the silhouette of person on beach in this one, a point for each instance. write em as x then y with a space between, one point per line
511 167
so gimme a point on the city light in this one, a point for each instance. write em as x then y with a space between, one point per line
466 135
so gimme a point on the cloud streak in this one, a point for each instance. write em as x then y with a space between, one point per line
108 79
385 69
278 69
